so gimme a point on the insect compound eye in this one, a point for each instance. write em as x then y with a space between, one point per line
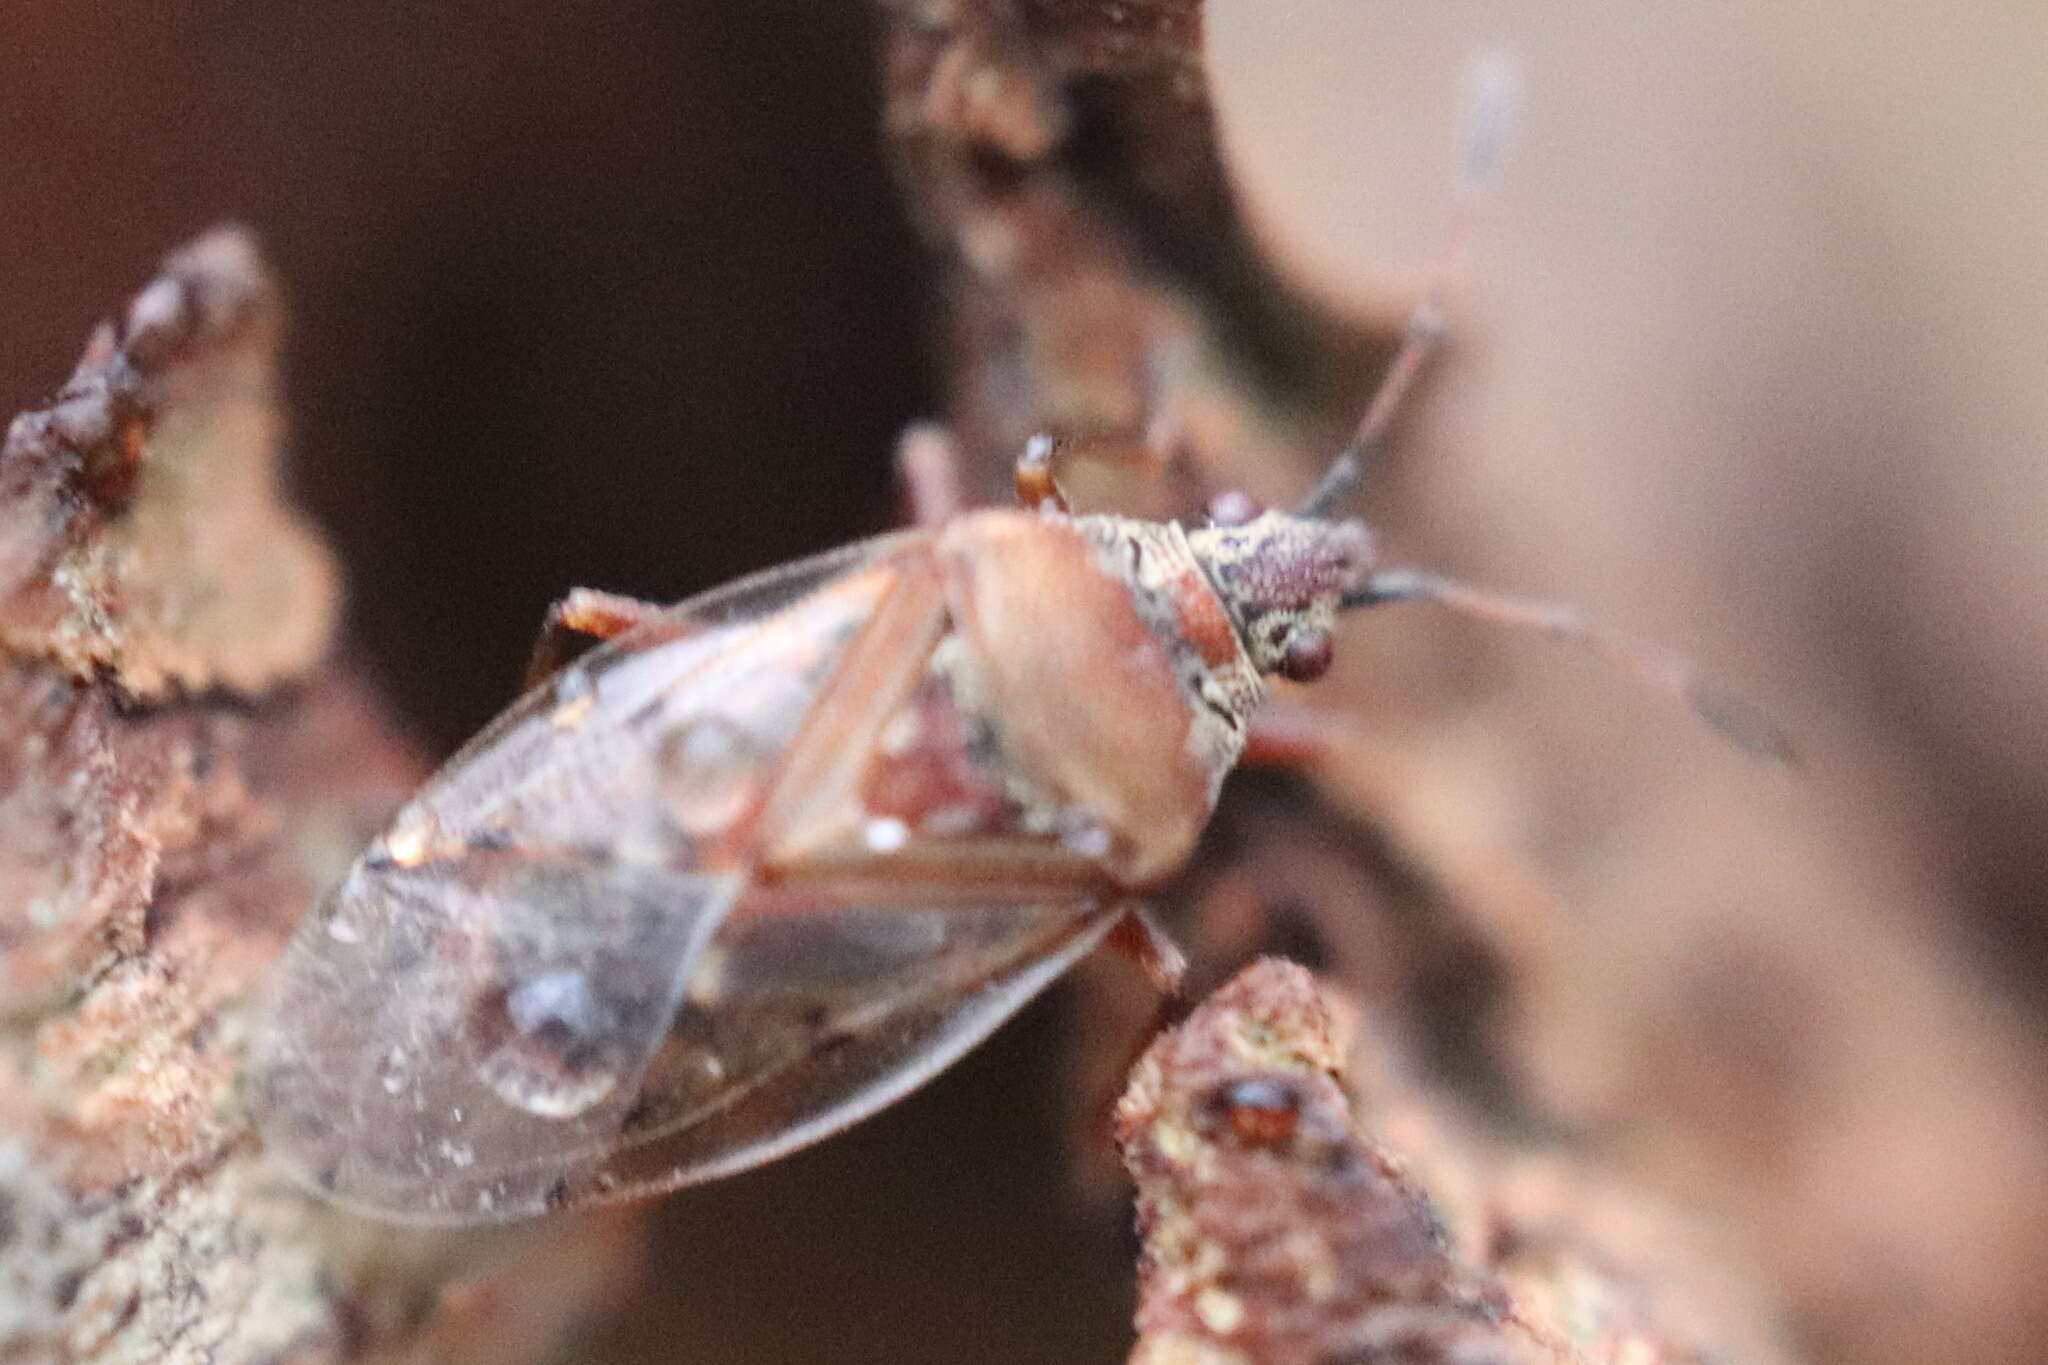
1307 655
1234 507
1254 1111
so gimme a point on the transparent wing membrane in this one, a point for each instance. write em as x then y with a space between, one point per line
464 1025
567 974
799 1024
454 1040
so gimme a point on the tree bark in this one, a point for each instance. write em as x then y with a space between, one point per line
182 769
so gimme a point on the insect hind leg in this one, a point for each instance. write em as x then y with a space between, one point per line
1142 939
928 469
581 620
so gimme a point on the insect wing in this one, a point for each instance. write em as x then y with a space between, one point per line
474 1030
659 739
801 1021
461 1032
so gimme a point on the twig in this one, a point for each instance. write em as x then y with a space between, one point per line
1279 1228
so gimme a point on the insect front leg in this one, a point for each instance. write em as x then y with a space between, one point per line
1486 885
1291 736
1037 469
928 464
584 618
1037 489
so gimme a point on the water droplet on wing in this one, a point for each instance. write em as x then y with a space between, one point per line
711 770
555 1059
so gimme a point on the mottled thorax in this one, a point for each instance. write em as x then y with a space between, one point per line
1179 604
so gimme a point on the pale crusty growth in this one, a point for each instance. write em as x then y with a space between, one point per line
1304 1200
142 538
1276 1231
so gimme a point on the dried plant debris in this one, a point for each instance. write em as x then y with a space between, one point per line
1277 1228
141 536
159 838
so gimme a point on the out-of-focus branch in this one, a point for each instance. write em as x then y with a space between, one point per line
1102 283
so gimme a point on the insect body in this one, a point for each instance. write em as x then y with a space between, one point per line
765 861
769 859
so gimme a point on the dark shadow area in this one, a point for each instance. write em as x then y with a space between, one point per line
619 295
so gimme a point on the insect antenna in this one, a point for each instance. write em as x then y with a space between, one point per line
1490 101
1660 669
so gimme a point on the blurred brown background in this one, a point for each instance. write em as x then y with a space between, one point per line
1748 358
614 293
1753 355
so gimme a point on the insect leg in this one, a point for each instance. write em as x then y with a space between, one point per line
1037 490
1284 735
928 467
1485 884
1157 453
1126 1026
1139 937
584 618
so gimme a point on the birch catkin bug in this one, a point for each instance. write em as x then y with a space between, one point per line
762 862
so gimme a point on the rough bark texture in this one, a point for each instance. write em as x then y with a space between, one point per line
1280 1227
144 544
180 773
